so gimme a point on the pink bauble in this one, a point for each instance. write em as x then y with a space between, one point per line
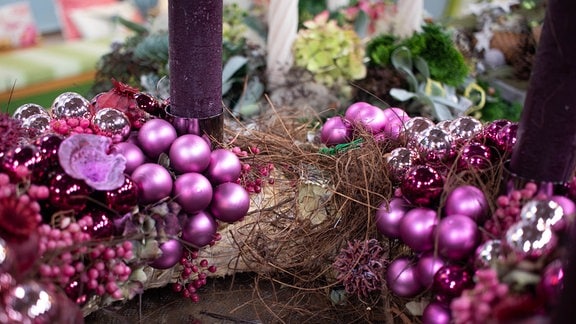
354 109
153 181
336 130
396 114
489 133
370 118
224 166
436 313
199 229
422 185
569 209
20 158
133 154
389 215
172 251
190 153
506 137
156 136
450 281
230 202
426 268
395 119
402 278
457 237
475 156
469 201
193 192
551 282
417 228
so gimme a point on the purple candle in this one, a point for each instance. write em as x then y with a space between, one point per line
195 36
545 150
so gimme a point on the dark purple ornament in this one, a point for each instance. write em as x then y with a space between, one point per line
490 132
67 193
75 291
21 158
124 198
450 281
436 313
506 137
148 103
102 225
47 145
422 185
475 156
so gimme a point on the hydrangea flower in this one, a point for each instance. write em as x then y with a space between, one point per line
85 157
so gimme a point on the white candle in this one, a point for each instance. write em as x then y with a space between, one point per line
409 17
282 30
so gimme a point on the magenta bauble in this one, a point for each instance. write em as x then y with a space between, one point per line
354 109
21 158
193 192
395 119
123 199
190 153
457 237
569 209
475 156
199 229
224 166
47 145
67 193
153 181
417 228
336 130
370 118
402 278
551 282
469 201
450 281
27 253
156 136
171 253
135 157
102 225
427 266
389 215
394 114
506 137
489 133
230 202
436 313
422 185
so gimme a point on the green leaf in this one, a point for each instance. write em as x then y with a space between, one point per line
234 64
442 112
422 67
361 24
402 59
401 94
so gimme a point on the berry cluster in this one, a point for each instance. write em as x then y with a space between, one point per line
193 276
255 174
72 125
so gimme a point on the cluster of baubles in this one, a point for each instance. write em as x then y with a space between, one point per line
454 234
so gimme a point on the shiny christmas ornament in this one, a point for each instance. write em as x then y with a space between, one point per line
190 153
48 145
230 202
199 229
464 128
399 161
490 131
402 279
67 193
444 125
111 123
336 130
389 215
193 192
21 160
171 252
153 181
569 209
102 226
354 109
427 266
414 127
28 110
369 118
506 137
134 156
543 213
469 201
457 237
422 185
395 119
450 281
489 254
417 228
224 167
434 144
475 156
123 199
156 136
29 302
76 292
39 123
148 103
436 313
529 241
71 104
552 282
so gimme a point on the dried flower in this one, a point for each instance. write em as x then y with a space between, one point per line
11 132
85 157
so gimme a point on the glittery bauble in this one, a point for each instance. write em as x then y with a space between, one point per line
190 153
569 209
552 282
230 202
489 254
464 128
21 158
422 185
112 123
402 279
415 126
444 124
427 266
506 137
71 104
529 241
389 215
199 229
457 237
153 181
436 313
102 225
370 118
133 154
156 136
124 198
29 302
469 201
399 161
336 130
224 167
67 193
193 192
490 132
475 156
434 144
171 253
450 281
417 228
28 110
40 124
543 213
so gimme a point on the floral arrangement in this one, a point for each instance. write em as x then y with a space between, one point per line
97 195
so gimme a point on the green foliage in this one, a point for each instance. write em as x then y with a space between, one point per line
308 9
380 49
498 108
